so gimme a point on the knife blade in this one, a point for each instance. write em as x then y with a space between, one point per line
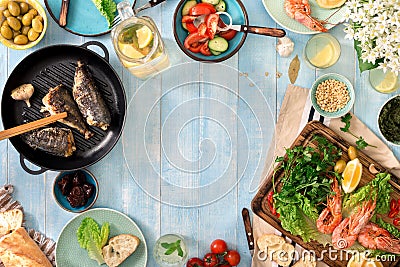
249 230
63 13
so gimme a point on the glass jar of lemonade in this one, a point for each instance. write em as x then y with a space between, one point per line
322 51
138 43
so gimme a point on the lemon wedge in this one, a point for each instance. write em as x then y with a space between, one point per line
145 36
351 175
130 51
331 3
323 57
388 83
372 263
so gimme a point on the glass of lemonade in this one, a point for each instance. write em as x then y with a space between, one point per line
384 82
322 51
138 43
170 251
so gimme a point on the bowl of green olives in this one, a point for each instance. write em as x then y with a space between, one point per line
23 23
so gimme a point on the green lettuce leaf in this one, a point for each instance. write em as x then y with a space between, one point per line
391 228
107 9
92 238
379 187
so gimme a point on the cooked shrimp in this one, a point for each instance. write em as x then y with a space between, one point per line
331 216
300 10
374 237
346 233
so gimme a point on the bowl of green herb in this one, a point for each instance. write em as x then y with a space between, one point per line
389 120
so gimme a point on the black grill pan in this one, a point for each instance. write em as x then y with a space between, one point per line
48 67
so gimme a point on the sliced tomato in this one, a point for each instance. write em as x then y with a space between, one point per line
196 47
205 50
202 30
227 35
212 24
194 42
188 18
202 9
190 27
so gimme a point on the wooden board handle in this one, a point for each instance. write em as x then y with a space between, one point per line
31 126
63 13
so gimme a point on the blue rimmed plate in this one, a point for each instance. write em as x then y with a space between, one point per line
69 253
276 10
83 17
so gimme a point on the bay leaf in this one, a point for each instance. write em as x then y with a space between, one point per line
294 68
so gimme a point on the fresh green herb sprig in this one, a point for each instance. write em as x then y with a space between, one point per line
361 143
171 247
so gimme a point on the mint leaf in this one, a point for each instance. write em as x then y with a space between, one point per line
166 245
171 247
180 251
170 251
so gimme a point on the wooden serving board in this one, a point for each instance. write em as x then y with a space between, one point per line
260 205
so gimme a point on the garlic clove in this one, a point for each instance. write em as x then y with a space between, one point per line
285 46
372 169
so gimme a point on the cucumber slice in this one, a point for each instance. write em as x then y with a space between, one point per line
187 6
218 44
212 2
184 25
215 53
221 6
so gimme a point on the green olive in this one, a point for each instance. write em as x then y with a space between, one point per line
24 7
32 35
352 152
340 166
14 8
14 23
25 30
27 19
6 13
6 32
33 12
20 40
37 25
5 23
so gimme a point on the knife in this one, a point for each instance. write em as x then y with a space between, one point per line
63 13
249 230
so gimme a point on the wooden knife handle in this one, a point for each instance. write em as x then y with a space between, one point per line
63 13
274 32
248 228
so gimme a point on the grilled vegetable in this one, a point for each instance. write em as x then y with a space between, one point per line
89 99
56 141
59 100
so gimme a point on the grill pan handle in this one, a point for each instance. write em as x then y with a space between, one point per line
23 165
106 54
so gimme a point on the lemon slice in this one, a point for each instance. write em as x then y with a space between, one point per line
323 57
372 263
145 36
330 3
129 51
351 175
388 83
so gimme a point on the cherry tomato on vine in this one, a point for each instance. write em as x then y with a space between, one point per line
396 221
195 262
393 205
210 260
232 257
218 246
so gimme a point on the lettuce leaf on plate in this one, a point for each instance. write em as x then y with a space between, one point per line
92 238
107 9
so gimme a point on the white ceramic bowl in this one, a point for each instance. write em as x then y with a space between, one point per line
393 142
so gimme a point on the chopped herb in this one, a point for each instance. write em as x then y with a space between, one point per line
361 143
171 247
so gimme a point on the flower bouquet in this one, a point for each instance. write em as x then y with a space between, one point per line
375 27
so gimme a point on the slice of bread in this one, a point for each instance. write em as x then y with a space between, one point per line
268 240
285 255
10 220
306 262
119 248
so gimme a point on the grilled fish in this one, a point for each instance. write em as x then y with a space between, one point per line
59 100
53 140
89 100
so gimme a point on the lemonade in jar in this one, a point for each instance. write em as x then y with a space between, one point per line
138 43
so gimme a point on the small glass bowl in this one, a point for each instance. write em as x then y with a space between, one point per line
322 51
173 259
376 78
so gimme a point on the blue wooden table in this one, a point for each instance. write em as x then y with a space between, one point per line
201 138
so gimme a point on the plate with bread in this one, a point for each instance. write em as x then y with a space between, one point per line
122 242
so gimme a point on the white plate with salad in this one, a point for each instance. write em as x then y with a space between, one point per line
69 253
83 17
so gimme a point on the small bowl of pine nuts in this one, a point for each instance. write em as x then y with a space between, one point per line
332 95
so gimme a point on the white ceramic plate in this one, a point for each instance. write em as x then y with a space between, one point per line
70 254
276 10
